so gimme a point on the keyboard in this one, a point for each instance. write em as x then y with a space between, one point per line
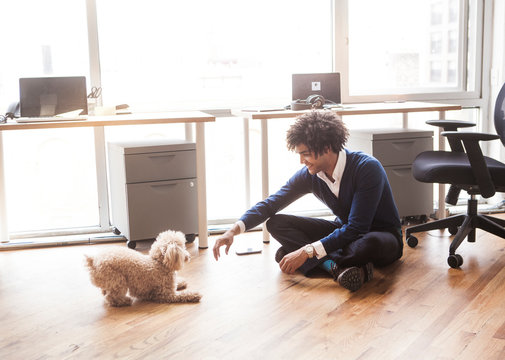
49 118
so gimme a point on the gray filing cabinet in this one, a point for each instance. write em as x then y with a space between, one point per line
396 149
153 188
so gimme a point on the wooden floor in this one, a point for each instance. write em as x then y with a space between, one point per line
418 308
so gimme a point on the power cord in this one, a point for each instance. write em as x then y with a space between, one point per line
7 116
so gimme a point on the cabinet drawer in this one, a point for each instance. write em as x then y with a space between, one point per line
400 151
162 205
159 166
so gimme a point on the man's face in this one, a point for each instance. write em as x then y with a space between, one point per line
313 163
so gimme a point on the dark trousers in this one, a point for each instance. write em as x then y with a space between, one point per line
293 232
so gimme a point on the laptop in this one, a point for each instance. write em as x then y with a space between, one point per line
325 84
52 99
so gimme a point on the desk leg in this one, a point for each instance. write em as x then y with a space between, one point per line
247 163
202 186
4 232
405 120
264 171
441 187
101 173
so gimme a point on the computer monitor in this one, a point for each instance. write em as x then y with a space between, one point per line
49 96
325 84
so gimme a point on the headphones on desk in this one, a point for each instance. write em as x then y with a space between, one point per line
312 102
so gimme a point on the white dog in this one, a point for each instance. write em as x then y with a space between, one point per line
123 273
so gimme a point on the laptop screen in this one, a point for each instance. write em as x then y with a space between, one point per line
325 84
49 96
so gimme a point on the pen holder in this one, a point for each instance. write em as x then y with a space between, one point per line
91 106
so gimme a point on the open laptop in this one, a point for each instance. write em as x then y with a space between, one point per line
52 99
325 84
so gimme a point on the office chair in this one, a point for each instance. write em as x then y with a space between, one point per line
466 168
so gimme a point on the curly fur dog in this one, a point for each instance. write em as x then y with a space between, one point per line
123 273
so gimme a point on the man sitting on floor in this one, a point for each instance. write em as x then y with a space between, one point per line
354 186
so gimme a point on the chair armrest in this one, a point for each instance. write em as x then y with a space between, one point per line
476 158
450 125
468 135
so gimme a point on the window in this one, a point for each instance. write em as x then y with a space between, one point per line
412 49
50 175
160 54
200 54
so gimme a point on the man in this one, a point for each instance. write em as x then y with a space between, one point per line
354 185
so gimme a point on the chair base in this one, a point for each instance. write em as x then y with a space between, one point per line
462 226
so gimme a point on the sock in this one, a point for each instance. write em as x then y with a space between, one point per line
327 265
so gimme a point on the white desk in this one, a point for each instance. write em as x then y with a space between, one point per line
352 109
196 117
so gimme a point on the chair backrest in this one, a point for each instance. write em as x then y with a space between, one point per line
499 114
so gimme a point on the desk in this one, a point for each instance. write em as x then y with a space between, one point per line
98 122
352 109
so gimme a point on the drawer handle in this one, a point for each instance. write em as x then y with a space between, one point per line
163 187
161 158
403 171
402 145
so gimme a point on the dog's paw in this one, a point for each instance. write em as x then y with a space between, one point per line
193 297
118 302
181 285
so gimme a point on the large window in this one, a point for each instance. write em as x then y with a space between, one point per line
222 54
411 49
50 175
210 54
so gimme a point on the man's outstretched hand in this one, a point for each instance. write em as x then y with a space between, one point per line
225 240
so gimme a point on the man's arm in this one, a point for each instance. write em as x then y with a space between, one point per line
297 186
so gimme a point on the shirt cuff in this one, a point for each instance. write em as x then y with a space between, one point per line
241 226
320 251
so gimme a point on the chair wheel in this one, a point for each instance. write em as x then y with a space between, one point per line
455 261
190 238
131 244
453 230
412 241
116 231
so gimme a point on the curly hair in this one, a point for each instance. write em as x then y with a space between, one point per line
318 130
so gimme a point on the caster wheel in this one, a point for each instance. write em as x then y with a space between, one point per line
116 231
412 241
455 261
131 244
190 238
453 230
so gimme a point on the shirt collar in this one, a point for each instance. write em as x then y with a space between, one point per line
338 171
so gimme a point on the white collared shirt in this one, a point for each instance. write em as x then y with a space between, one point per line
334 187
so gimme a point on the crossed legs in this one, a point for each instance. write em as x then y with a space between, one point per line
293 232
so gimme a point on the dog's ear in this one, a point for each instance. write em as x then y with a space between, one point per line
157 251
174 257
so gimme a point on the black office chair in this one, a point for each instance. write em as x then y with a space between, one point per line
464 167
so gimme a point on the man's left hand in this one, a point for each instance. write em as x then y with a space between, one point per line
293 261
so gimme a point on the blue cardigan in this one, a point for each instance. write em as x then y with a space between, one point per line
365 201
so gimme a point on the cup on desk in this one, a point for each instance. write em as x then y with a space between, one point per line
105 110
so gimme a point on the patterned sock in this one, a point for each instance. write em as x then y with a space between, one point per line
327 266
